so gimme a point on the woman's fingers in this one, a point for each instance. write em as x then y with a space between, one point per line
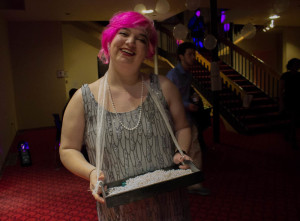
97 192
184 167
178 158
98 198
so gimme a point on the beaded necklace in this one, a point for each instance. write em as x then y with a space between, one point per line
115 110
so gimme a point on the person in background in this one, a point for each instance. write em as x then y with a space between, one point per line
182 78
135 139
196 25
71 93
289 99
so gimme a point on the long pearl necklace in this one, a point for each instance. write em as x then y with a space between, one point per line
115 110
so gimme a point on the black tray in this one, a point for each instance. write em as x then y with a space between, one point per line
150 190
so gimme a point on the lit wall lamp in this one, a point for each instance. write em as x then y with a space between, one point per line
223 16
226 27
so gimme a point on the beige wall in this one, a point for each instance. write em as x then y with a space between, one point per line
291 45
275 48
80 48
31 55
37 54
267 46
8 125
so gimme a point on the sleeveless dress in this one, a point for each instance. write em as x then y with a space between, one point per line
132 153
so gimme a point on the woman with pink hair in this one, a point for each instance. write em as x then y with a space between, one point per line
120 118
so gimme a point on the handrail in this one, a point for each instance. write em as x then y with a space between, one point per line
252 58
167 37
166 42
253 69
235 87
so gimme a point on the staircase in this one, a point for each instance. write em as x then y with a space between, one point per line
259 115
249 95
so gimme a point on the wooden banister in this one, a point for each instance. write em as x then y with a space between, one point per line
249 66
234 86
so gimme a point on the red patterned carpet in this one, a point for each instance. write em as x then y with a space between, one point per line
250 177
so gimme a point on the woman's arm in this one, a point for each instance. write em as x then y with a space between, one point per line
72 137
71 143
181 125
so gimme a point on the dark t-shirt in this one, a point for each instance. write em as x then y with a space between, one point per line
291 92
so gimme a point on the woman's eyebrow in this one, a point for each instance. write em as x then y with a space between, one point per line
125 29
144 35
141 34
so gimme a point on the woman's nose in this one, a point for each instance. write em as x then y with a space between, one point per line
130 40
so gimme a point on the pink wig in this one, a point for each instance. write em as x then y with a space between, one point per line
128 19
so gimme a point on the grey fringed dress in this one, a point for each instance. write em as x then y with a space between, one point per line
131 153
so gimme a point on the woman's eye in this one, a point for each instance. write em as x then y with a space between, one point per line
123 33
142 40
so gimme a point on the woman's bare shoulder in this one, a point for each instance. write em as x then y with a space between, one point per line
165 83
94 87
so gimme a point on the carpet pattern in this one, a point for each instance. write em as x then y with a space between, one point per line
250 177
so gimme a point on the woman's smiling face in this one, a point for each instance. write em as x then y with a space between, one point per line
130 45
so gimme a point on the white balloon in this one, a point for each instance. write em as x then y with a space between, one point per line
162 6
281 6
139 8
192 4
210 42
248 31
180 32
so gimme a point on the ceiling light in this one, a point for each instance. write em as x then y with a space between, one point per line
274 17
149 11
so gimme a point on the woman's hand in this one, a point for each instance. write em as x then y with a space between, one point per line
178 158
93 183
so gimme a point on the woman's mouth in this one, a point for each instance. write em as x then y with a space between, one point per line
127 52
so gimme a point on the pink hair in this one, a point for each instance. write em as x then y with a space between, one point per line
128 19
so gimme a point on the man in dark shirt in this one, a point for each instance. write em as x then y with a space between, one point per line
289 98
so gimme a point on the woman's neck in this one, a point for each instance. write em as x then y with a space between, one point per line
123 76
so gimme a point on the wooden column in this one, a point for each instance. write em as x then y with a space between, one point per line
215 75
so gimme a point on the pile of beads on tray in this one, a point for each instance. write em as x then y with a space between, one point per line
148 179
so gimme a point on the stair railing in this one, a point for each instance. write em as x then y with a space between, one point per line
237 89
253 69
168 46
166 43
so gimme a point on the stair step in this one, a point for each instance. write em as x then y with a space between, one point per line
262 112
263 115
249 86
260 99
241 81
256 109
232 75
255 93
